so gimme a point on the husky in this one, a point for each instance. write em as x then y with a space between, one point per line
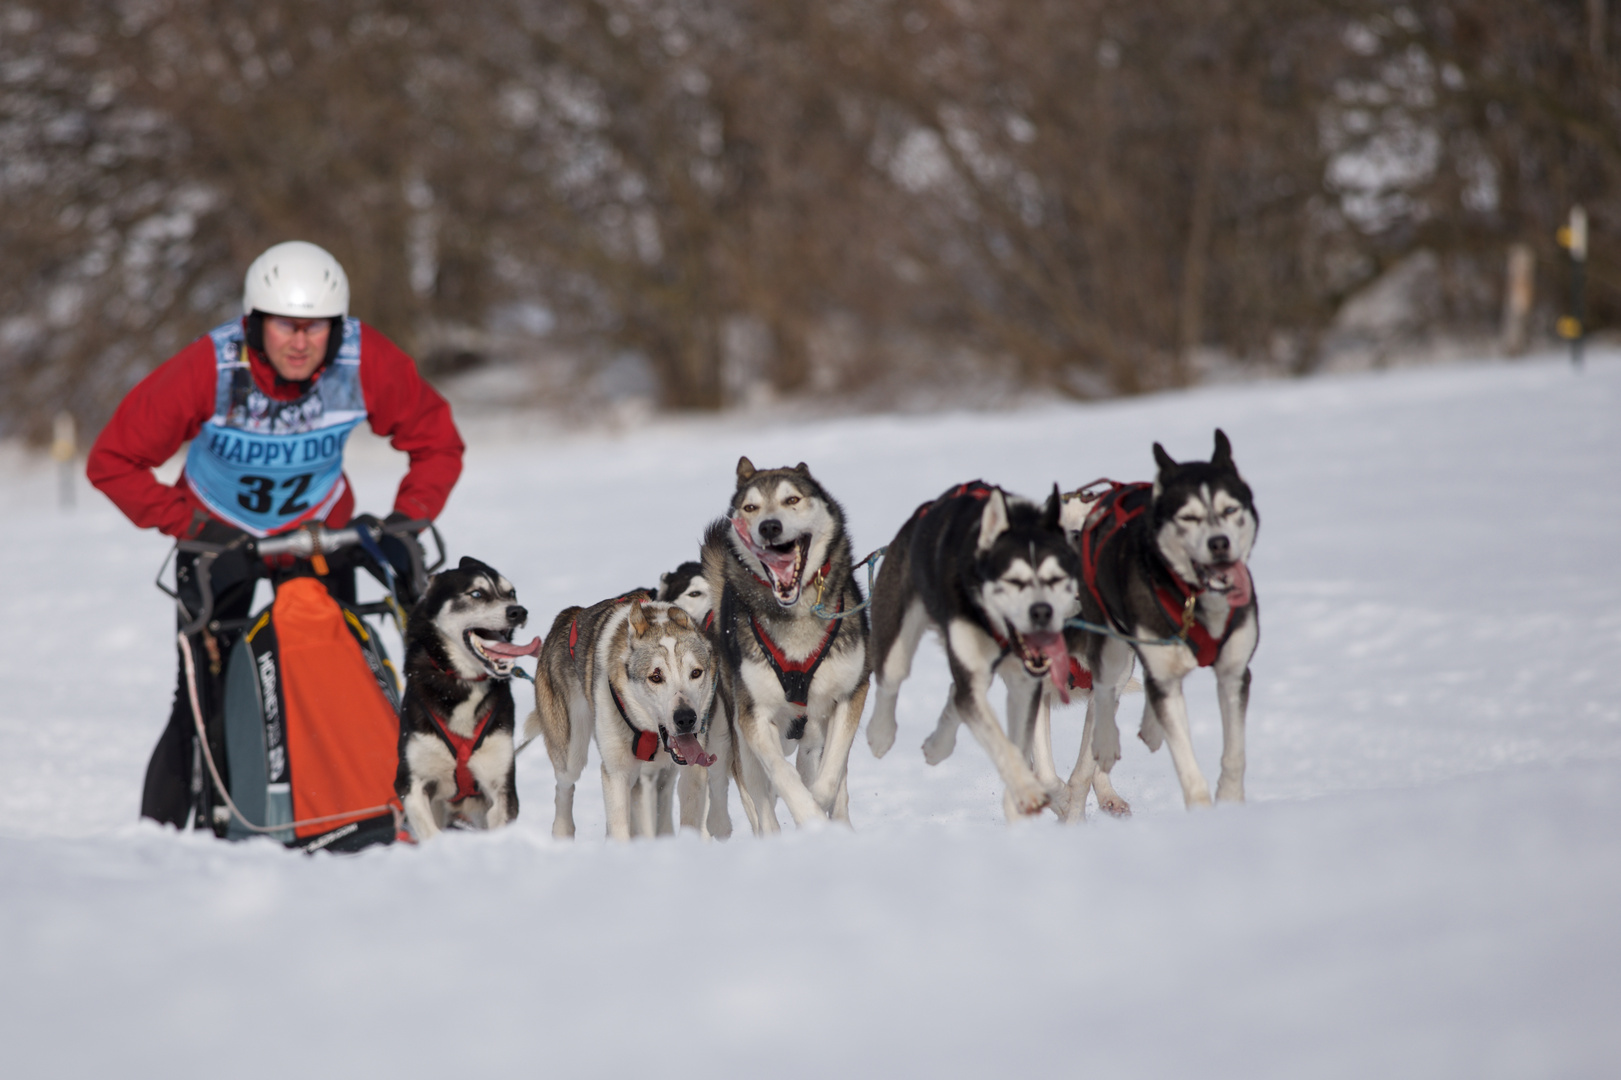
1166 565
640 677
456 718
703 789
686 587
995 577
792 631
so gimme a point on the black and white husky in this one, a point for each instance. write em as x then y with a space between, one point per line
456 718
1166 564
793 638
640 677
994 576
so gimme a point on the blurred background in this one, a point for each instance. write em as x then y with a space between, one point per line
865 204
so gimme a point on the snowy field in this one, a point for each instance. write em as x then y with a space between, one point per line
1426 881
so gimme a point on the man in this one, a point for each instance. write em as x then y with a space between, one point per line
267 402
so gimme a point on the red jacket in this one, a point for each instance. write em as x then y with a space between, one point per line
169 407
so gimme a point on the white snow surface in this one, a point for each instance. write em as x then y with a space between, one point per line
1425 882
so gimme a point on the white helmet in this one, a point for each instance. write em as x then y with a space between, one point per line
296 279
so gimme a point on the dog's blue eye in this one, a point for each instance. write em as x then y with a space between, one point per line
477 594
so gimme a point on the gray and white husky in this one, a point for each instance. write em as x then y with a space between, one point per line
639 676
793 639
994 576
1166 564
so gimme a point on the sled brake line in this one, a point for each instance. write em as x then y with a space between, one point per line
1082 624
213 770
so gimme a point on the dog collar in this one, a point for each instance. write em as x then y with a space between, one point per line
454 674
644 744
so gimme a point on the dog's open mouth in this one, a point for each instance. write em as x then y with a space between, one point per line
495 650
686 749
1044 654
784 562
1230 579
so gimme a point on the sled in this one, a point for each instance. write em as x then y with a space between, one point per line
302 742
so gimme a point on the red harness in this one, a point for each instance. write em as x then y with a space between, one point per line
795 675
463 746
1106 521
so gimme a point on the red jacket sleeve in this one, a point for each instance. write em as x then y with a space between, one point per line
415 419
164 410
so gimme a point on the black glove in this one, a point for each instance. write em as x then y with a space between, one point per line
396 548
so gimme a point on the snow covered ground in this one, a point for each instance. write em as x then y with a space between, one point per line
1426 881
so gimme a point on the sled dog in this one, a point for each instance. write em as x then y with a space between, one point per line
1166 563
703 789
994 576
793 640
639 676
456 718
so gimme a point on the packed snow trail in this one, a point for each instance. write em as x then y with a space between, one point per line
1424 882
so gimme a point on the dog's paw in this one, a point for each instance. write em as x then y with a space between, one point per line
938 747
1230 791
880 738
1109 800
825 795
1029 801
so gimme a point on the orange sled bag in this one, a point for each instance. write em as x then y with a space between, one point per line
312 726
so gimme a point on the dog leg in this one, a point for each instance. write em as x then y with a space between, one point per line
419 811
664 802
753 789
1164 689
616 801
1086 767
841 733
894 670
841 801
719 818
1233 692
762 737
692 786
943 740
971 682
1041 748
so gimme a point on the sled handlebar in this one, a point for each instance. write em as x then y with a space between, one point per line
303 543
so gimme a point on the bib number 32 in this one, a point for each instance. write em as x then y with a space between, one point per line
259 494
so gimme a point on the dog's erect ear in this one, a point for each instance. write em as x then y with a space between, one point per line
1162 459
993 520
802 468
1223 458
1050 509
680 617
745 469
638 618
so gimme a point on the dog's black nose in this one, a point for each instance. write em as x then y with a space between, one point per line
1220 547
517 614
1041 614
686 720
770 530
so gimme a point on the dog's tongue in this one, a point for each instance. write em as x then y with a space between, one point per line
1052 647
1236 576
690 750
779 565
501 648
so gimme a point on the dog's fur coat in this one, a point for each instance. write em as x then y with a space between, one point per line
640 677
780 556
455 690
1191 541
994 576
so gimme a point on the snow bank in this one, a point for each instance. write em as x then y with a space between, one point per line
1424 882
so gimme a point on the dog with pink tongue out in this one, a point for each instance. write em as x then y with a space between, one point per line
995 577
1165 568
639 677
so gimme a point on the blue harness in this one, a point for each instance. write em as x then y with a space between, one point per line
267 466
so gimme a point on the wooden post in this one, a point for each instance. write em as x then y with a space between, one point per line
1573 238
1518 293
65 451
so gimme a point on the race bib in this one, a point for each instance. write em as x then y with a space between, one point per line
267 466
